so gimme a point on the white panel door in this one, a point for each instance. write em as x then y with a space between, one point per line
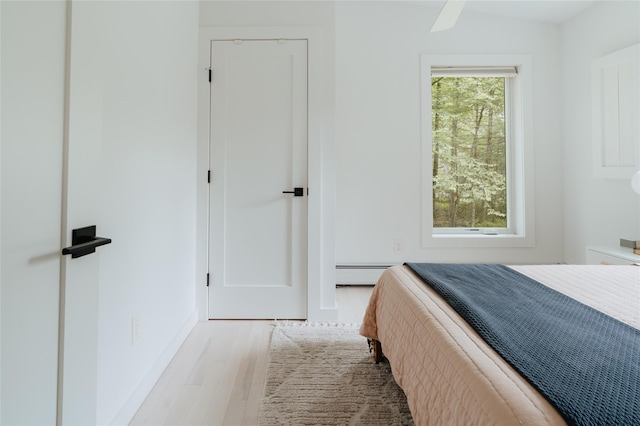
258 149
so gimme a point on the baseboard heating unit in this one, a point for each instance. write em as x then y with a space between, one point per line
359 274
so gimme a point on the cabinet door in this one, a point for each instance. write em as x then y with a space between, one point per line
615 108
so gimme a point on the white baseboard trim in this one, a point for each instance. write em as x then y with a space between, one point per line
359 274
136 399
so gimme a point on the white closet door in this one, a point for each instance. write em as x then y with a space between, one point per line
258 155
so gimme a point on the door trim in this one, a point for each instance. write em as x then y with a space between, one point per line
321 303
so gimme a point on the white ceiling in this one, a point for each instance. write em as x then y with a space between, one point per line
552 11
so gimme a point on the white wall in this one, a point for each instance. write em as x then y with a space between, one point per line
148 116
316 17
598 212
148 200
32 88
258 13
377 130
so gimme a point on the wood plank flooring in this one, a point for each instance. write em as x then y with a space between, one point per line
217 376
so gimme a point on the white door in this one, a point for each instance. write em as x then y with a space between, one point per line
31 172
258 150
82 184
49 368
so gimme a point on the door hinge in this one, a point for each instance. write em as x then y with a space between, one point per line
208 176
207 279
210 73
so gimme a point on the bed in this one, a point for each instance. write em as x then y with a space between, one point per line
449 374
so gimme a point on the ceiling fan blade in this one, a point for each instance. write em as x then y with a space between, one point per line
448 15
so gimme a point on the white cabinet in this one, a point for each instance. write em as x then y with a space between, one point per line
611 256
615 109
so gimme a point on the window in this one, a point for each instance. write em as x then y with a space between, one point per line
470 114
475 190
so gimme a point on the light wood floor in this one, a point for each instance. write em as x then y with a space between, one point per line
217 376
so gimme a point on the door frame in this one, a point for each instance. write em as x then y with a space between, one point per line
321 301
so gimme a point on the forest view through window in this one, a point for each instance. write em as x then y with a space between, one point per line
470 152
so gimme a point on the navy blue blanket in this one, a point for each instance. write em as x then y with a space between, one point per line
584 362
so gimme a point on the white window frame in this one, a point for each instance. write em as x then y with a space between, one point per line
520 196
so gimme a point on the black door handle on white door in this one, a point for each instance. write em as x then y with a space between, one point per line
297 192
84 242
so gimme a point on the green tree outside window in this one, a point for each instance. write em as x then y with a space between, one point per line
469 152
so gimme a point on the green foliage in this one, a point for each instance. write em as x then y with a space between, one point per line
469 152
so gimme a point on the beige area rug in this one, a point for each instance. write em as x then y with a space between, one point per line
325 375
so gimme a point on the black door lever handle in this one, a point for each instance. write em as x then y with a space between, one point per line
297 192
84 242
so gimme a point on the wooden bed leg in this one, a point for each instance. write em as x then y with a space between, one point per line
378 356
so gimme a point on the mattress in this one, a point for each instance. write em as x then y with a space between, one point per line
448 373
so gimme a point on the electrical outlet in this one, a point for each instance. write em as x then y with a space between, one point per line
135 330
398 245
